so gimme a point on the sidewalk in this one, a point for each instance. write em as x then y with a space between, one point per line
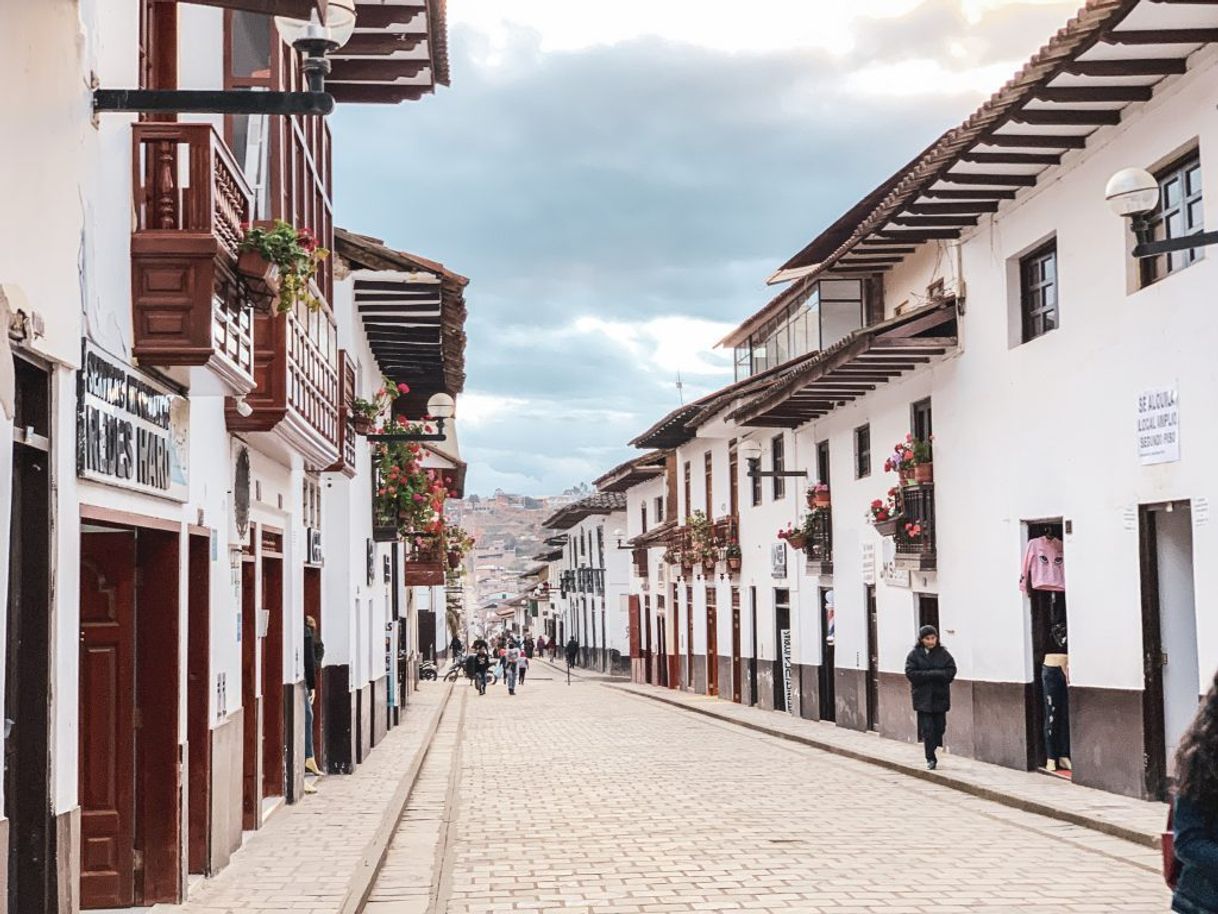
319 856
1133 820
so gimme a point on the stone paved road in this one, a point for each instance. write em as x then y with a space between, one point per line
585 799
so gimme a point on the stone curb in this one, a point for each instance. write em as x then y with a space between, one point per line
359 887
935 777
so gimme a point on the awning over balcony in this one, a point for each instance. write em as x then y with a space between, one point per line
632 473
568 516
656 536
853 368
296 9
399 52
413 311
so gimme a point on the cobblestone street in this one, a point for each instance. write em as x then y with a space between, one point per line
582 798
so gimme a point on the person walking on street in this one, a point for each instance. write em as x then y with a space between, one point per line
482 666
572 651
528 647
522 664
553 649
313 650
471 667
930 670
456 646
510 658
1195 813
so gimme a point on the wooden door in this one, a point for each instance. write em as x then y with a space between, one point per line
828 662
273 743
198 695
107 719
753 641
712 643
312 607
873 660
647 677
251 792
737 683
689 638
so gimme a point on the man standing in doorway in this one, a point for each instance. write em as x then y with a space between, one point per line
930 670
572 651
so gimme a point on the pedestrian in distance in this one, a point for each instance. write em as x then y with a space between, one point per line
471 668
482 666
511 657
313 652
572 651
456 646
930 670
553 649
522 664
1195 813
529 645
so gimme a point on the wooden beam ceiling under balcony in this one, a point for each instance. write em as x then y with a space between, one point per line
399 52
296 9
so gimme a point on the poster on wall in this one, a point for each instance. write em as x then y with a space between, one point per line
1159 426
785 634
131 430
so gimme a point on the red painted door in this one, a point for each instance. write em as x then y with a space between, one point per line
107 719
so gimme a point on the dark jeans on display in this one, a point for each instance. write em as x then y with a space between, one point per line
1057 712
931 727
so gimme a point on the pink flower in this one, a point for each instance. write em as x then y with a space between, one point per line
418 498
403 388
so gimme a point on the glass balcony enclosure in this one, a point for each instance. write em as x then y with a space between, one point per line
830 313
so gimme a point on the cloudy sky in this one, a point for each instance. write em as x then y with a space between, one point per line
618 180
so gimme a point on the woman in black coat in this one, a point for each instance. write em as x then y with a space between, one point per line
930 670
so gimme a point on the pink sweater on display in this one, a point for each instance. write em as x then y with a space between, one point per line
1043 566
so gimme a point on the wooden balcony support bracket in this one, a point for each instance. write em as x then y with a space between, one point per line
189 307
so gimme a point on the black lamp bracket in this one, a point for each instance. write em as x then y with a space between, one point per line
1148 248
206 101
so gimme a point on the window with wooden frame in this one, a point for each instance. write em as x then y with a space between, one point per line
754 484
822 462
1038 291
708 470
689 504
659 508
862 451
921 422
643 517
733 480
778 463
1180 213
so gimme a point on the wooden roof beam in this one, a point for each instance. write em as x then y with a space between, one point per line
988 193
1036 140
1095 93
1161 36
958 177
1095 117
1151 66
921 236
934 221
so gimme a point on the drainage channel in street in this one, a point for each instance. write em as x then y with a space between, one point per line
415 877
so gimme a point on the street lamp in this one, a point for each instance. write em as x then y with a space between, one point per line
440 408
1133 194
314 38
750 450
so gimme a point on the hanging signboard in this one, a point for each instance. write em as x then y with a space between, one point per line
868 563
785 634
131 430
778 560
1159 426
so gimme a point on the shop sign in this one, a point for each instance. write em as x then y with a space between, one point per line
1159 426
868 563
785 635
778 560
131 430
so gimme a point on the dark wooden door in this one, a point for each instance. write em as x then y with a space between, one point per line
661 651
647 671
712 643
737 683
312 608
828 689
873 660
107 719
1155 755
273 742
782 627
689 638
251 792
198 695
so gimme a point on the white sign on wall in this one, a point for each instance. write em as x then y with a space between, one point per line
778 560
868 563
1159 426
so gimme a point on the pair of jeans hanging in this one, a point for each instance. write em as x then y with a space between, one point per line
1057 712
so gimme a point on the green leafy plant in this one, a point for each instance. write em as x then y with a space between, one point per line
297 255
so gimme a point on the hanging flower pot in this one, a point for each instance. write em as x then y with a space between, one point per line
820 498
887 527
454 559
796 540
733 564
924 473
363 424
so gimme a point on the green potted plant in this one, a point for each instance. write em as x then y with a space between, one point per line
924 467
366 413
733 556
795 537
292 254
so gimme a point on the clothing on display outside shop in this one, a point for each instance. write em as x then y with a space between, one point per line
1057 712
1044 566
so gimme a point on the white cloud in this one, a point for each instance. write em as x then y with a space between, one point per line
663 345
927 77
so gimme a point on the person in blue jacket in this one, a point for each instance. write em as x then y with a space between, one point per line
1195 826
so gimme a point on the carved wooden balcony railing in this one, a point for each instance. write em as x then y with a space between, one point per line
188 306
346 425
819 548
726 532
296 370
915 534
425 561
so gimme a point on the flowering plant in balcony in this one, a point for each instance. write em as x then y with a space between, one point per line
818 495
908 456
702 537
886 512
915 530
795 537
409 495
734 556
458 543
294 252
365 413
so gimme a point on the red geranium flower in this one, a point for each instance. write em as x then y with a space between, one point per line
403 388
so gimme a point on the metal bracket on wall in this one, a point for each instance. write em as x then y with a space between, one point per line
199 101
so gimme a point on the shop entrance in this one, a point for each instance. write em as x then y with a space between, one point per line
1169 637
825 674
712 642
873 660
689 637
753 642
312 610
1048 715
661 645
647 669
782 649
128 764
27 802
274 747
737 684
251 793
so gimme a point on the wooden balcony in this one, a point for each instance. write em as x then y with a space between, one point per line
916 552
346 416
425 562
189 308
641 565
819 548
296 370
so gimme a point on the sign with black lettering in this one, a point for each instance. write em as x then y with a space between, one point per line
1159 426
131 430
